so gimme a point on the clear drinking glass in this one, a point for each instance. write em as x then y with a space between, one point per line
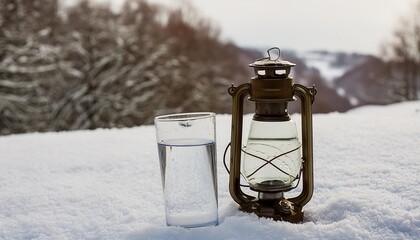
187 155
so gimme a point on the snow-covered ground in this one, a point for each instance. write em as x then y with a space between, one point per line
105 184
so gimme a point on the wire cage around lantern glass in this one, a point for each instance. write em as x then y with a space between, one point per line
295 179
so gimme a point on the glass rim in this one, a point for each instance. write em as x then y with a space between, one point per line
175 117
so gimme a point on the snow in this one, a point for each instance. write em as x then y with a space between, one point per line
324 64
105 183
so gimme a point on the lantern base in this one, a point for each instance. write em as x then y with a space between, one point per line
278 210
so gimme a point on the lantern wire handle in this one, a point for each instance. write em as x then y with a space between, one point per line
227 169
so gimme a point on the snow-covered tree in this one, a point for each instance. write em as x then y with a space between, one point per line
28 64
90 67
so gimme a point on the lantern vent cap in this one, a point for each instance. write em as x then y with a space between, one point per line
273 60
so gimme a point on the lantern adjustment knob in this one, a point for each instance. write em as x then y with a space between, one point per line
283 207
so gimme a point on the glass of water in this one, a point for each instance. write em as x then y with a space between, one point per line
187 155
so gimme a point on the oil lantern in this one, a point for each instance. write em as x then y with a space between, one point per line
273 161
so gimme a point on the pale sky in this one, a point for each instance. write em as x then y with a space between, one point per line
338 25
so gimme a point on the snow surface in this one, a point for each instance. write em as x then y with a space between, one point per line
105 183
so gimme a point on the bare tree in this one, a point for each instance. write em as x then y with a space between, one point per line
404 55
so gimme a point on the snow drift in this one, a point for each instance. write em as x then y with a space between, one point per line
105 184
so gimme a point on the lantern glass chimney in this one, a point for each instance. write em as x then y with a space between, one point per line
272 159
